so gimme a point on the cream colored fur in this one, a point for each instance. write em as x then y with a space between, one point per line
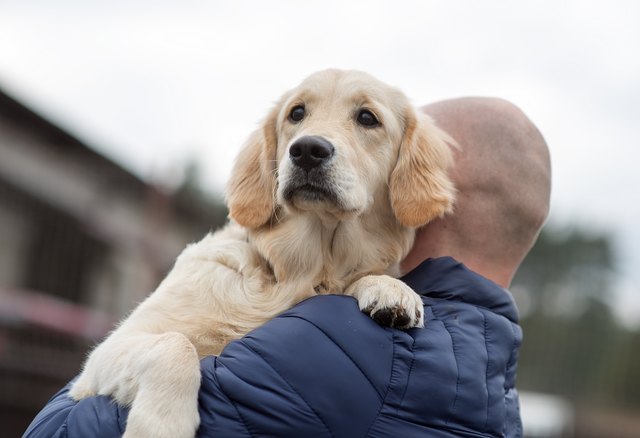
275 253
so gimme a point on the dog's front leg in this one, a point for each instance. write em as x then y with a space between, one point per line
157 375
388 301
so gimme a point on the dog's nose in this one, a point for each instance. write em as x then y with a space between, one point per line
310 151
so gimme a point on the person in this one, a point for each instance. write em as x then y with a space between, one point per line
325 369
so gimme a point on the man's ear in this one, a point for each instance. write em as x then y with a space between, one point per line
420 187
251 189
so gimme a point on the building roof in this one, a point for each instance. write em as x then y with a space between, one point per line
194 207
13 110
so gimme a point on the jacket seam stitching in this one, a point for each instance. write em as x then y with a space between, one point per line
413 360
455 358
512 362
234 404
393 355
118 420
380 396
486 372
290 386
63 430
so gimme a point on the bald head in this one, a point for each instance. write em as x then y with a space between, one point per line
502 173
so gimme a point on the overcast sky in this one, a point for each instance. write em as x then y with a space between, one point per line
153 84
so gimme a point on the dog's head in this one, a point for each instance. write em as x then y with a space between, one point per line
335 142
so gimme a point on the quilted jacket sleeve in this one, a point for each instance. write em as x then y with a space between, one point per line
259 384
97 417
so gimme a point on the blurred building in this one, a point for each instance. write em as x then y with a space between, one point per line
81 241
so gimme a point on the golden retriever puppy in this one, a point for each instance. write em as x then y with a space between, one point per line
324 198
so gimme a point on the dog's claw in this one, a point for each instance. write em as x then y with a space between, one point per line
388 301
396 317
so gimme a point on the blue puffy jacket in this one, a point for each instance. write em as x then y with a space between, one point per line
324 369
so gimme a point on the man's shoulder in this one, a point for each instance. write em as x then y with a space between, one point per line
321 333
324 357
315 360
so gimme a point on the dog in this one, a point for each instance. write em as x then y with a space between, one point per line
325 197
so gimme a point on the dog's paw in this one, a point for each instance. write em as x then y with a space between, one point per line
388 301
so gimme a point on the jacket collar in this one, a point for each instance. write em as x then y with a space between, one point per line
446 278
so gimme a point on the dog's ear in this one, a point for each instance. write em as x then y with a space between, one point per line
420 187
251 189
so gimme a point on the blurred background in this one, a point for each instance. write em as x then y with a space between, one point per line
119 122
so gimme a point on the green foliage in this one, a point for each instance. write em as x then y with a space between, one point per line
573 345
206 210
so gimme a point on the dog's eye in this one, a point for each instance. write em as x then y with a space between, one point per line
367 118
297 113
